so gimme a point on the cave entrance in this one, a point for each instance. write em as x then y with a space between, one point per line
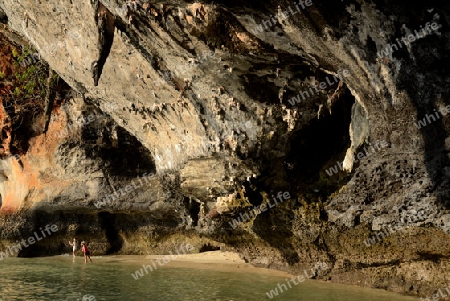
319 143
124 154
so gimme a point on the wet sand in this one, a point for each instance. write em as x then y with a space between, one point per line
212 260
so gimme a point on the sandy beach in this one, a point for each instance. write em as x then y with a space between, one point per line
231 262
212 260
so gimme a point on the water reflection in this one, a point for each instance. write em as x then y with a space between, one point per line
58 278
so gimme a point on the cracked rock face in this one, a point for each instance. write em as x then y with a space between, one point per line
227 104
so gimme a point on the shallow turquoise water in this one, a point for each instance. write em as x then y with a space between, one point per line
58 278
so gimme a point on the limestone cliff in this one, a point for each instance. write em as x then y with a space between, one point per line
182 116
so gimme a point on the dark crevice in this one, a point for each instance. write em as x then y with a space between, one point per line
208 247
362 265
106 25
193 209
255 198
107 223
372 47
3 17
436 258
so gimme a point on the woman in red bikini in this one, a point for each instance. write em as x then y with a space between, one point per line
85 250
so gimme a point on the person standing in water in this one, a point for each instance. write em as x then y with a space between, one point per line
74 246
85 250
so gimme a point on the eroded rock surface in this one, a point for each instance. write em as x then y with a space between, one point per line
219 103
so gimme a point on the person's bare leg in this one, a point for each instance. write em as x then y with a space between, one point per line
85 259
90 258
